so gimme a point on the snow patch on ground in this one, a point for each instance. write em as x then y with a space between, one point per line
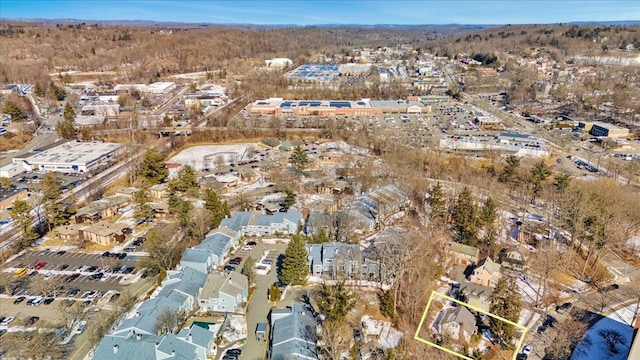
236 330
208 156
529 289
618 321
387 336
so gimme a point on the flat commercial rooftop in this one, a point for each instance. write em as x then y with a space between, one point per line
315 72
73 152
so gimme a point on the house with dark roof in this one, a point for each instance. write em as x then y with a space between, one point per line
340 260
293 333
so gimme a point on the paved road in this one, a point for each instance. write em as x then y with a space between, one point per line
258 308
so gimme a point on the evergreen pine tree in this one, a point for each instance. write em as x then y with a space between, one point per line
153 168
437 202
506 303
294 266
387 305
335 301
142 208
219 209
465 218
299 160
52 193
248 270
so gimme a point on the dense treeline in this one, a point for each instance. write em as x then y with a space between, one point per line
28 52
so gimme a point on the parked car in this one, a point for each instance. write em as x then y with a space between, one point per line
61 252
235 261
527 349
40 265
36 301
252 243
80 328
267 261
6 320
229 268
357 335
48 300
561 309
19 299
32 320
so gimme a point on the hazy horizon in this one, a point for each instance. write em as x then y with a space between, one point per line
309 13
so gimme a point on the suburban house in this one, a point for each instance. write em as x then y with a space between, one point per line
256 223
293 333
340 260
105 233
475 295
158 191
224 292
217 243
487 273
198 259
69 232
514 258
459 323
464 254
385 200
101 209
127 191
192 343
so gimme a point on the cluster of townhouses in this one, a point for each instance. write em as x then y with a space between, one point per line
194 286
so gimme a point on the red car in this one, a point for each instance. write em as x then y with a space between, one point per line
235 261
40 265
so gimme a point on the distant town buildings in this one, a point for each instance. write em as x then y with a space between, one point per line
280 106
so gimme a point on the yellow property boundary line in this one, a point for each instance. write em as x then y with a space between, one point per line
424 316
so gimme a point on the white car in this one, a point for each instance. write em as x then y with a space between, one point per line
247 247
48 276
80 328
105 277
6 321
527 349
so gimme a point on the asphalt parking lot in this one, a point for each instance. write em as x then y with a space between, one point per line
58 270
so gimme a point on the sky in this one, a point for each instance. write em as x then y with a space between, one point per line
316 12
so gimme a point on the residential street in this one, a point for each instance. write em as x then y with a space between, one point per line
258 308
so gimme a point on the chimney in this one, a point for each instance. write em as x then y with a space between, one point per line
115 349
190 338
173 353
138 337
137 313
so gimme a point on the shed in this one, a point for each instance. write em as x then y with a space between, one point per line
261 331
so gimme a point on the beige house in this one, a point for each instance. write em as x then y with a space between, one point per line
158 191
105 233
487 273
127 191
101 209
464 254
69 232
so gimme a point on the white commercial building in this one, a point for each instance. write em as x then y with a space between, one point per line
74 157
